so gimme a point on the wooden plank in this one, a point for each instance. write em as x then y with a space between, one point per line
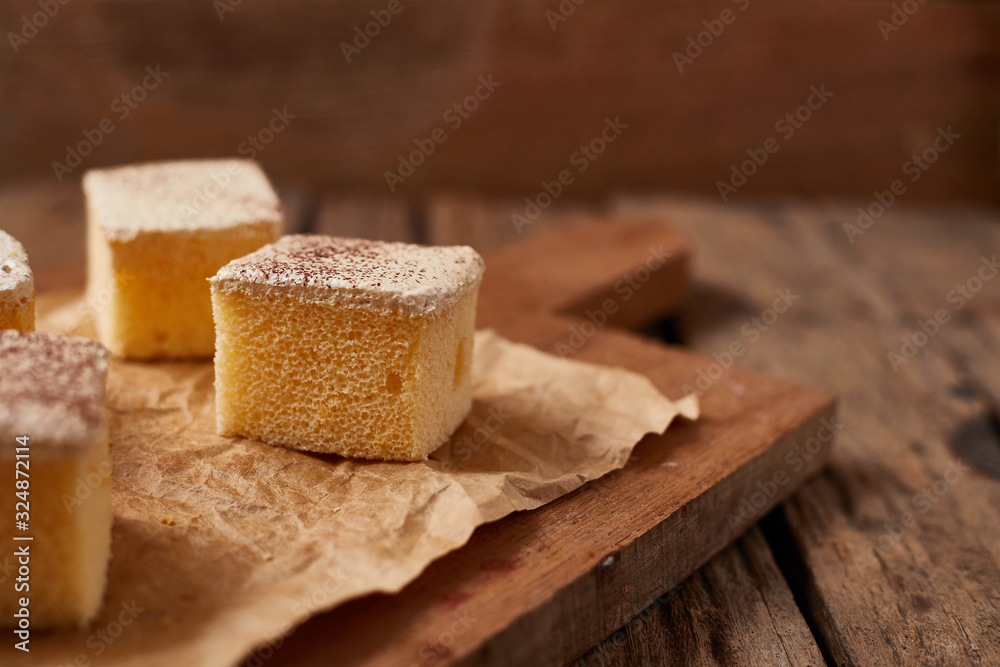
970 338
368 217
542 587
736 610
299 205
48 220
893 545
687 126
487 224
637 272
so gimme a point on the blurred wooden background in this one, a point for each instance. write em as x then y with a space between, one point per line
230 63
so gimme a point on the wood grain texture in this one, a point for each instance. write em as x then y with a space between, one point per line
635 273
489 223
542 587
893 547
299 207
42 208
378 218
736 610
352 120
48 219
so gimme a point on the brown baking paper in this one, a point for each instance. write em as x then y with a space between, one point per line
222 545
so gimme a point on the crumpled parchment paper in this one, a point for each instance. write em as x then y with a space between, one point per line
221 545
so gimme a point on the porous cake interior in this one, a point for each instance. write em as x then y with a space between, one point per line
151 295
17 287
345 379
17 313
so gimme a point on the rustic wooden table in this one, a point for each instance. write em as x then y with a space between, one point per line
892 555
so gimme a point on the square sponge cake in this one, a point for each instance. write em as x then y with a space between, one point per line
17 286
346 346
55 476
155 233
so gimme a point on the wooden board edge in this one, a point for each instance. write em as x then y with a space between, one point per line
616 572
627 273
661 295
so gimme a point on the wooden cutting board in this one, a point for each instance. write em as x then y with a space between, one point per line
542 587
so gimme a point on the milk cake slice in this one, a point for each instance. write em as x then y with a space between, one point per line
346 346
156 232
55 476
17 286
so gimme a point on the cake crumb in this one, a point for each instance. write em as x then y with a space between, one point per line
167 519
